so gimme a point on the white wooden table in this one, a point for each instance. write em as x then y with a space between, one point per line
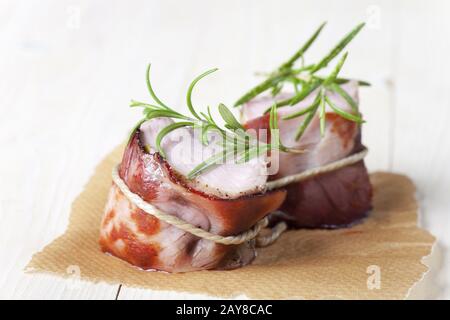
68 69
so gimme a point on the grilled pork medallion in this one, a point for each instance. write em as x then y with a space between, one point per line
226 200
329 200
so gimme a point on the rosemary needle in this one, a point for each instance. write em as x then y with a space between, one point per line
270 82
336 88
338 48
288 64
322 114
301 129
150 89
342 113
191 87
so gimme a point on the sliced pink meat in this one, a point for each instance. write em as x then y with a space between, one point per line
329 200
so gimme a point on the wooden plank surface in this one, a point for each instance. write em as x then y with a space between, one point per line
422 112
69 68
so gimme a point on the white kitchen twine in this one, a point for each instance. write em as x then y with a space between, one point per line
261 241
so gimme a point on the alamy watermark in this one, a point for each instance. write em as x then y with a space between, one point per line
373 17
374 278
74 272
73 21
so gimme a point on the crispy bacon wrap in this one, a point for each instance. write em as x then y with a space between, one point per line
212 203
329 200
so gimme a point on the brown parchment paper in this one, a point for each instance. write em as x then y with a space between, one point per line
309 264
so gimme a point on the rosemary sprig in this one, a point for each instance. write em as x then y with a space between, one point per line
305 75
306 82
236 142
283 72
322 100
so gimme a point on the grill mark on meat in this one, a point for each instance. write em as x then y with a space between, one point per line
142 255
146 223
108 217
134 251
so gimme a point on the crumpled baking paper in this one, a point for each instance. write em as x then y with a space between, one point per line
378 258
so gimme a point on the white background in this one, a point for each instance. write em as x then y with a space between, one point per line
69 68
